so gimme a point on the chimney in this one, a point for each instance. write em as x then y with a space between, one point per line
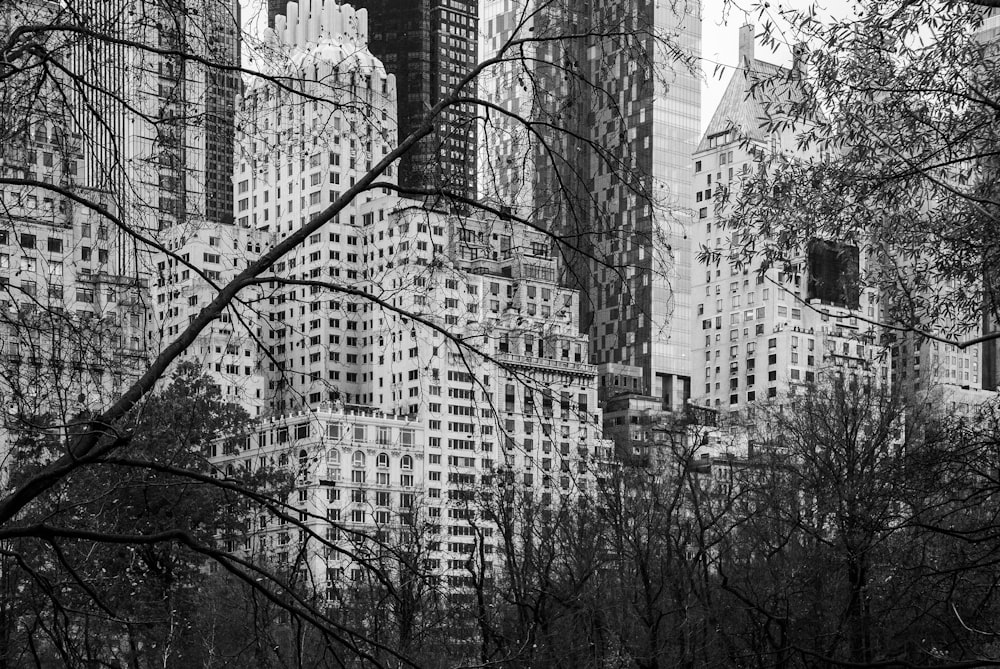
799 54
746 45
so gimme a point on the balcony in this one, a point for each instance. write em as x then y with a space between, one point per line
580 368
483 265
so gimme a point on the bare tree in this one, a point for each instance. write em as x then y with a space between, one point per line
105 107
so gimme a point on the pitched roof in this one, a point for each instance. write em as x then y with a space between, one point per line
742 106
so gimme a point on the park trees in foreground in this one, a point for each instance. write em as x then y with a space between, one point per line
867 535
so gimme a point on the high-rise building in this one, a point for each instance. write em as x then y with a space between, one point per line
607 170
158 125
429 46
158 128
762 334
989 34
130 152
71 311
415 357
222 86
280 184
959 375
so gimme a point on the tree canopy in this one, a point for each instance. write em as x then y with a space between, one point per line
896 154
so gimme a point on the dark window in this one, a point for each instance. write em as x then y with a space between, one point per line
834 271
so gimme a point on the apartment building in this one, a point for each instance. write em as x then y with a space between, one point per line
764 333
229 349
606 170
356 472
989 33
297 154
429 46
72 319
432 354
470 377
920 365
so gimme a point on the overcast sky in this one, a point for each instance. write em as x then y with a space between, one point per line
719 45
720 29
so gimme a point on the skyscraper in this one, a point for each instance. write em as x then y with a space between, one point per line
129 150
989 33
763 334
428 353
617 97
154 98
428 45
221 89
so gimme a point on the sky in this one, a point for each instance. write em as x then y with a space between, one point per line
720 33
719 41
720 27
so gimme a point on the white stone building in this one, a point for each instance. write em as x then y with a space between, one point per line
761 335
445 330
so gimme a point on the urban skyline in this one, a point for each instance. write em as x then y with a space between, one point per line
189 218
630 389
429 46
571 368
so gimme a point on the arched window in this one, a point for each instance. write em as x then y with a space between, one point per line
383 460
303 459
283 460
333 456
358 460
41 134
406 462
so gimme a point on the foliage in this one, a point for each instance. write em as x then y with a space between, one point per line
108 564
896 155
861 517
110 513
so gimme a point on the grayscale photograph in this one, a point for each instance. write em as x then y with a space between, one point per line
499 334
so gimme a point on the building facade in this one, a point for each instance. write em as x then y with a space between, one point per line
989 33
428 46
395 318
121 157
607 171
765 331
314 331
72 308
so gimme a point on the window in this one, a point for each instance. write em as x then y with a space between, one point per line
332 464
406 462
358 459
